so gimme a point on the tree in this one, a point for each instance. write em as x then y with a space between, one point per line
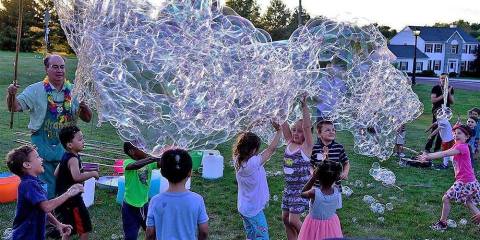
32 27
386 31
276 20
8 25
293 21
248 9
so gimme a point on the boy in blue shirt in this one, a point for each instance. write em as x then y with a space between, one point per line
33 206
177 213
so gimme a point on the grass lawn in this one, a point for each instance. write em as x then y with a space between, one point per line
416 206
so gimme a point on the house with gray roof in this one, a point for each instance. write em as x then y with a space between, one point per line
440 49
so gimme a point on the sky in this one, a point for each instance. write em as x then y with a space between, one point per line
396 14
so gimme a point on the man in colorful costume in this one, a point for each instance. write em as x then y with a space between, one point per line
51 108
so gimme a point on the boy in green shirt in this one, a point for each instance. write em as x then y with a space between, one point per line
138 172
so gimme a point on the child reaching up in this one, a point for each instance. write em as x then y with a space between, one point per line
177 213
296 167
466 188
251 177
33 206
138 172
322 222
69 172
446 134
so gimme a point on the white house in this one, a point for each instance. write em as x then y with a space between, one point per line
441 49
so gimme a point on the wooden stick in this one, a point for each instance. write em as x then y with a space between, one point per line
17 49
81 154
100 164
410 150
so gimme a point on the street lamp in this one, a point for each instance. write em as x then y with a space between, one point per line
416 33
299 13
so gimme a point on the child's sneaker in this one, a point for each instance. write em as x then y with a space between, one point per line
439 226
441 166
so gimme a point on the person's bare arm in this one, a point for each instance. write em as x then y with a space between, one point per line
346 170
267 153
451 98
76 174
287 133
446 153
436 99
307 191
434 133
202 231
50 205
150 233
307 127
140 163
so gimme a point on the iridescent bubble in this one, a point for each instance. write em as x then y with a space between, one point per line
369 199
389 206
194 74
347 191
377 208
451 223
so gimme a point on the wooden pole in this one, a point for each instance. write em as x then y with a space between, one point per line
17 50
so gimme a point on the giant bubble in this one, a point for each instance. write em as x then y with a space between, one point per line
194 74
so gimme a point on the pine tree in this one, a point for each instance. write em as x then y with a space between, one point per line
276 19
8 25
248 9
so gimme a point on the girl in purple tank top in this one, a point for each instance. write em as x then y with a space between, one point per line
296 168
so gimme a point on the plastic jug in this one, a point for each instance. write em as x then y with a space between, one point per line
121 189
212 166
155 183
164 184
196 159
88 194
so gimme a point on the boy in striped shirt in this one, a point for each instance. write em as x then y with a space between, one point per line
336 152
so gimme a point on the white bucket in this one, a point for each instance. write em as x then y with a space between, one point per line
164 184
88 194
212 166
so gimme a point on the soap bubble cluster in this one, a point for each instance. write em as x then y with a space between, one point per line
347 191
383 175
194 74
451 223
376 206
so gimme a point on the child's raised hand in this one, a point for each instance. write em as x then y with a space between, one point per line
275 125
303 99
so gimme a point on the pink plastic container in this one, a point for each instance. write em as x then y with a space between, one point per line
118 167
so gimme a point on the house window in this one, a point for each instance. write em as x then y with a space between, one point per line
429 66
419 66
436 65
454 49
428 48
403 66
463 64
470 66
464 48
472 49
438 48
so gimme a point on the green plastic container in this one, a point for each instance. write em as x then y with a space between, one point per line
196 159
